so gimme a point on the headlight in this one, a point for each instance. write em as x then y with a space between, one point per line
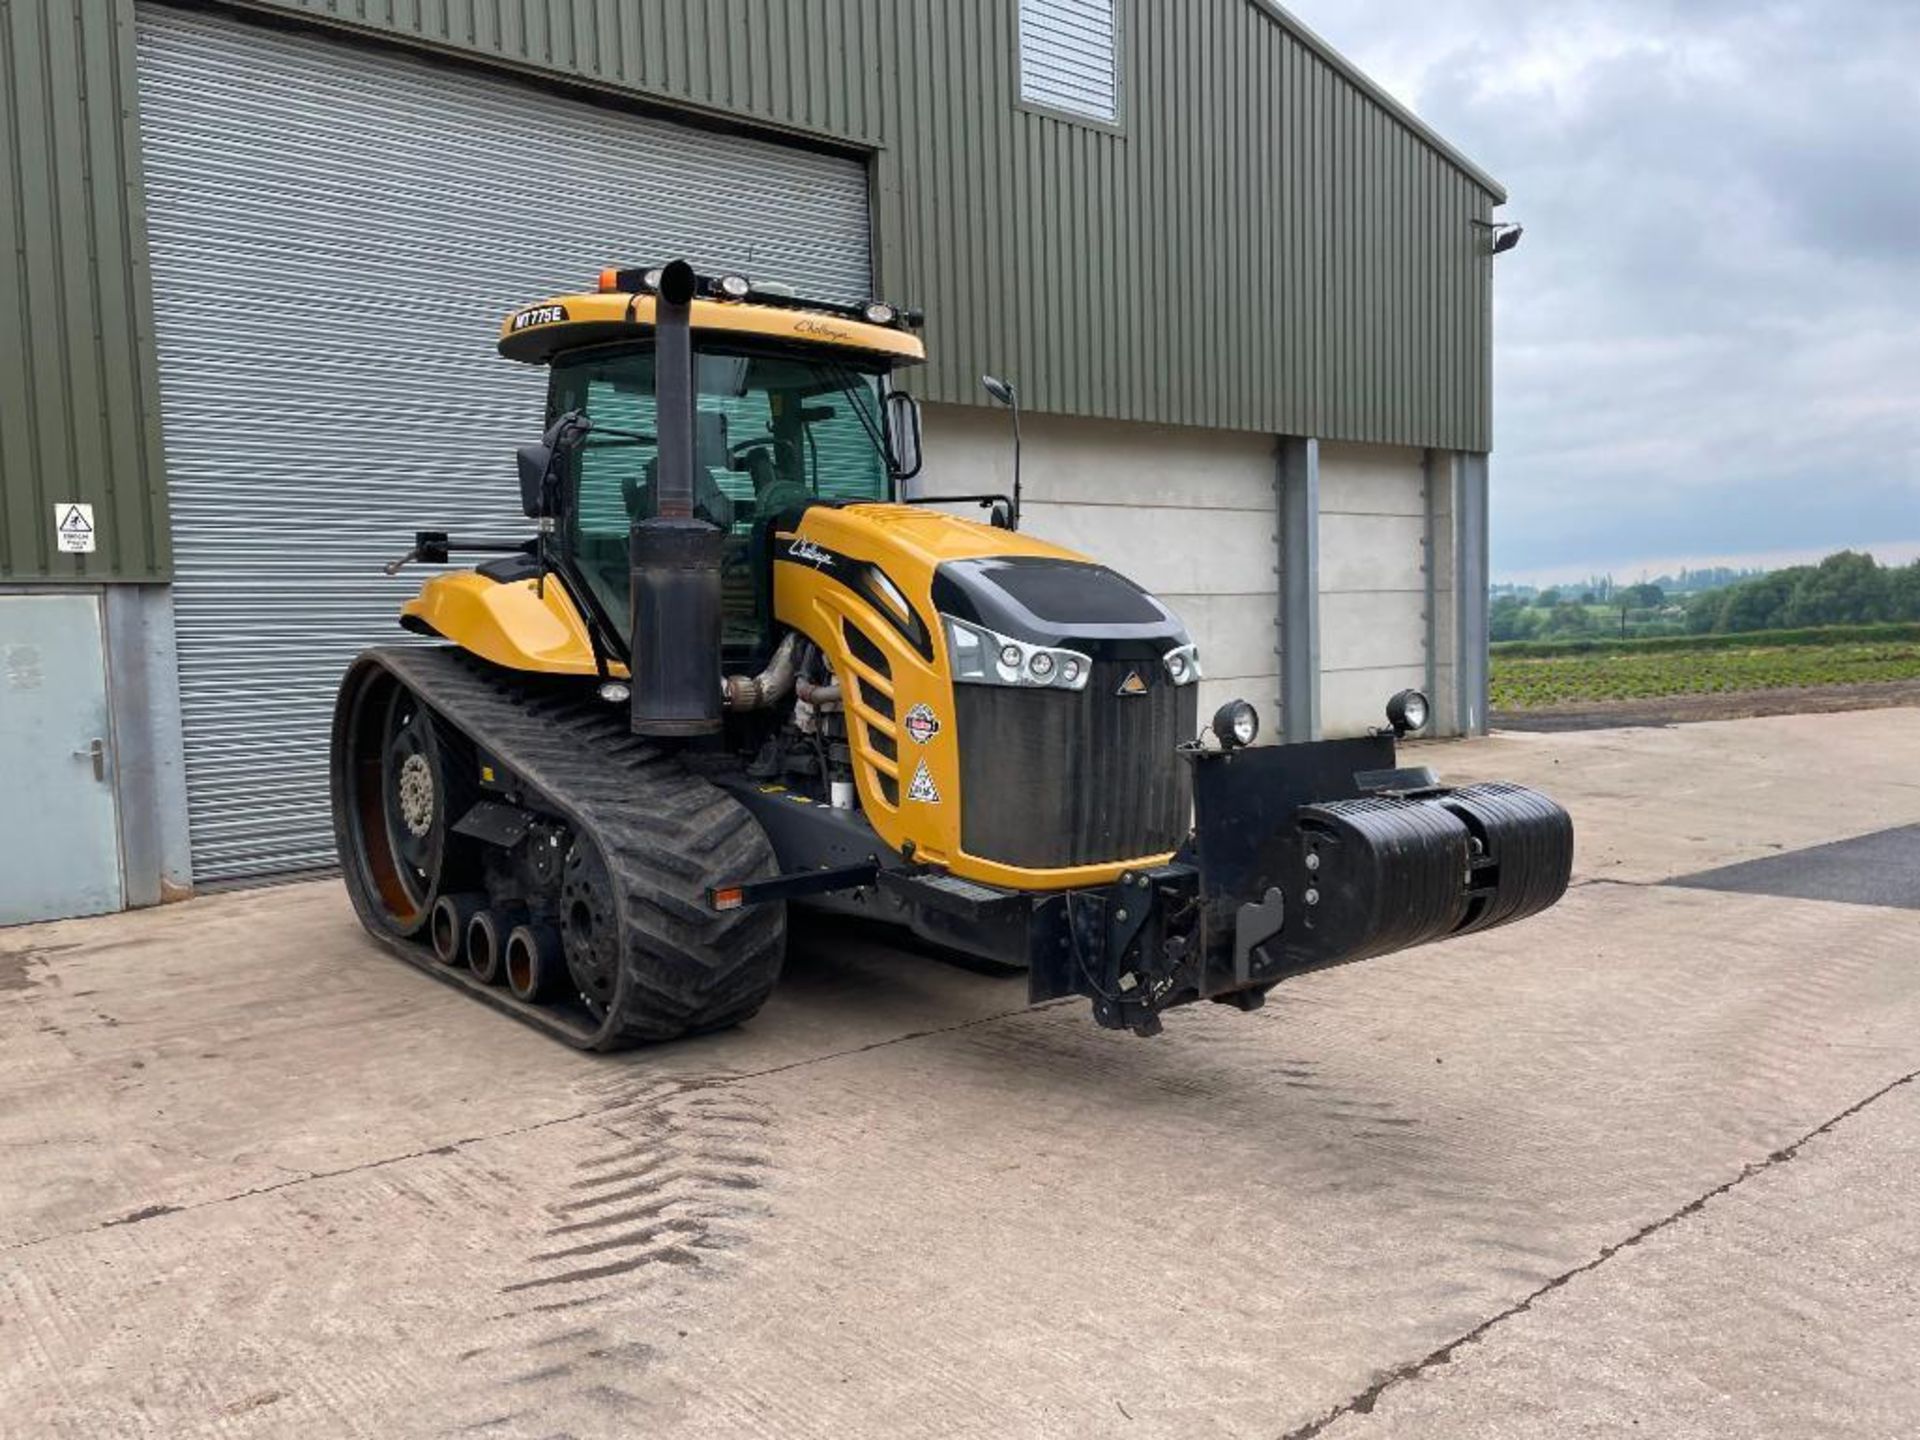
1183 664
1408 711
735 287
980 656
1235 724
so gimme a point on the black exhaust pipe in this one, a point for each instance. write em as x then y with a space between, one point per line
674 557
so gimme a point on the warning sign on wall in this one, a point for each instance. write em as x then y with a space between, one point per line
73 527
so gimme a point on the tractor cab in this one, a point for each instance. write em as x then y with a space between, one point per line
792 406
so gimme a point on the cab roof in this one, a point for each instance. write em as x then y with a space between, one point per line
537 333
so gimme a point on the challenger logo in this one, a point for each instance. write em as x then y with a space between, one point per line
820 330
1132 685
808 553
540 315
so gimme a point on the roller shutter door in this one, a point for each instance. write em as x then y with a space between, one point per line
336 232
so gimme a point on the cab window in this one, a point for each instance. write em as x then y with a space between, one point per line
772 433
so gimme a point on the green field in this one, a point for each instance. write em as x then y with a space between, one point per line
1525 676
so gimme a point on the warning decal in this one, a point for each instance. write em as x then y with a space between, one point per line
922 788
921 724
73 527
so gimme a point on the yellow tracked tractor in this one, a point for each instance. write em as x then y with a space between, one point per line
732 671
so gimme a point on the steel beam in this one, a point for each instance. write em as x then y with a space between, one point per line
143 701
1297 496
1470 579
1431 539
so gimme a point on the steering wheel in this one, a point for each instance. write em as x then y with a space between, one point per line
628 437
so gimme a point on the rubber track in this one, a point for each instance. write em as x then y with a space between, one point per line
665 836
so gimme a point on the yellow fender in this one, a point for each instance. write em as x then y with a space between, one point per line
513 625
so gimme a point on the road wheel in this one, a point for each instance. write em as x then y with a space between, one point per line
396 799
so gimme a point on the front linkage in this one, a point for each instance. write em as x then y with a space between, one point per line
1302 856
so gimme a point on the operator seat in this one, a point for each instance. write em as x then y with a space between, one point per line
772 496
602 552
710 502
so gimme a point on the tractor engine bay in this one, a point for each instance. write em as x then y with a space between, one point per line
809 753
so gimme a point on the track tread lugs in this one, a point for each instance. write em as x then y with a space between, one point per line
664 835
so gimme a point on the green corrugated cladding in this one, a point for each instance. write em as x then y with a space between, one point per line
1263 243
79 410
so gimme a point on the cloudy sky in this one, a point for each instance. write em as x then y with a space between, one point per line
1708 344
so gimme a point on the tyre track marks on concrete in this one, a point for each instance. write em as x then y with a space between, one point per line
587 1113
677 1184
675 1187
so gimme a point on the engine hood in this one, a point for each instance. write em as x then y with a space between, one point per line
1015 584
1048 601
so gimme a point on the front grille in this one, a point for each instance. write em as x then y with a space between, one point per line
1052 778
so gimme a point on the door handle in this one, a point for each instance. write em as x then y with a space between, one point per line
96 752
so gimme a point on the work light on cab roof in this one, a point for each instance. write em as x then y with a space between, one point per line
875 337
615 280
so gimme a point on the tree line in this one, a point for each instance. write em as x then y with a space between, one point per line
1603 589
1846 588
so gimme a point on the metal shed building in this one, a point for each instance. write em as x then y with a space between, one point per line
261 247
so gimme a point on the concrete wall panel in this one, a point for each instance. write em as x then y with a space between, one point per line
1369 479
1187 513
1098 462
1373 581
1445 632
1184 512
1168 550
1361 630
1370 552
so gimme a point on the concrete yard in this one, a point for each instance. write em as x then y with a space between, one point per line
1648 1164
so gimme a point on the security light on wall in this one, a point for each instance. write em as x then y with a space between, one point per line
1502 238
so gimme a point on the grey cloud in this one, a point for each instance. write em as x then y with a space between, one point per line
1710 340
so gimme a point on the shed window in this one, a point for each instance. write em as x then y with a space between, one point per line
1067 57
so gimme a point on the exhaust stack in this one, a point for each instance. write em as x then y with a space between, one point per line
674 557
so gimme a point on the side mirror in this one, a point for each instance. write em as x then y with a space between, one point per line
1003 391
534 461
903 434
1000 517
